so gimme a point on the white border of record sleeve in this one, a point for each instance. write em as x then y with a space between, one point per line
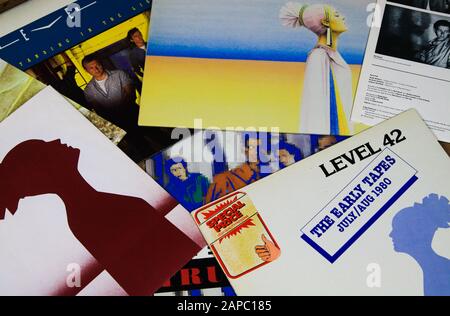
28 12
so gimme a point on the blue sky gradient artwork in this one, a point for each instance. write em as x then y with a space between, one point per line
247 30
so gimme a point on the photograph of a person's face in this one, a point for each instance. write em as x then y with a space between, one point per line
433 5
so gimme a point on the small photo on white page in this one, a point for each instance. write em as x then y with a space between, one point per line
407 66
417 36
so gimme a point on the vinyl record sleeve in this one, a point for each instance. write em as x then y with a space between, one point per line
259 63
407 65
368 216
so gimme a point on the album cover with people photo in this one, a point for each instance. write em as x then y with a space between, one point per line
370 214
211 164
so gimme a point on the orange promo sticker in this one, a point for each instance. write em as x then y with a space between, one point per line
236 234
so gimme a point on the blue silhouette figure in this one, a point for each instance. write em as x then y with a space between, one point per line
413 229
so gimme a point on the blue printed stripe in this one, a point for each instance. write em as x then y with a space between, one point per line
334 122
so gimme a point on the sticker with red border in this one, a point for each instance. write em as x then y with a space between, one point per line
237 235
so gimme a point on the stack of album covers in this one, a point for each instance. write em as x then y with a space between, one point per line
70 47
407 65
268 147
53 50
255 64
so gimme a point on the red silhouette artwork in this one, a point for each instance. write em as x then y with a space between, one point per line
132 241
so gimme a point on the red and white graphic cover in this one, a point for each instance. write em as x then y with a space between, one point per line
78 217
368 216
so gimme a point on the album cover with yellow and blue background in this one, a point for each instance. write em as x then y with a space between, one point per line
265 63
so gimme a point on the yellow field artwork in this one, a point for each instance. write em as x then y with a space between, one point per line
244 92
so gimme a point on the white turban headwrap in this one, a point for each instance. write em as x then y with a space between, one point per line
294 14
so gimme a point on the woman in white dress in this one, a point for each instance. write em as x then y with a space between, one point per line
327 92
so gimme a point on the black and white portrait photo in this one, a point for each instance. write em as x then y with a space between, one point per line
415 36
